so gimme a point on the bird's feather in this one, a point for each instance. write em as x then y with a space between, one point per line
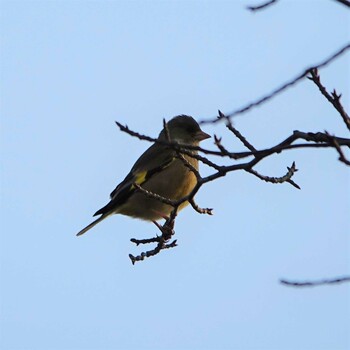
152 161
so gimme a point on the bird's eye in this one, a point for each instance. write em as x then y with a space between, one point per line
192 129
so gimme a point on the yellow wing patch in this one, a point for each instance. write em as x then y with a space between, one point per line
140 178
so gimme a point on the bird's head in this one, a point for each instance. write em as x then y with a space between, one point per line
184 130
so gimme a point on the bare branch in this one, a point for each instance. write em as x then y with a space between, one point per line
315 283
188 165
166 129
278 180
153 252
282 87
202 159
284 145
230 126
262 6
339 150
317 140
174 145
145 241
135 134
219 145
208 211
333 98
344 2
156 196
167 231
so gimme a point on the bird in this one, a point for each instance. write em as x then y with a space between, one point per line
158 170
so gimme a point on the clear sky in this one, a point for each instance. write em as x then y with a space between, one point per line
69 69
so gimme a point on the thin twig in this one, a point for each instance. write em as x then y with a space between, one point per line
202 159
166 130
162 241
219 145
230 126
188 165
342 157
333 98
315 283
155 196
152 252
319 140
240 137
262 6
278 180
208 211
174 145
283 87
344 2
145 241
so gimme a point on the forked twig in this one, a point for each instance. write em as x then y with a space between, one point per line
333 98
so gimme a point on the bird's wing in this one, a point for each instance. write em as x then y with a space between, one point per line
152 161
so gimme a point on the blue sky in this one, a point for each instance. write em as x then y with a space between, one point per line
69 69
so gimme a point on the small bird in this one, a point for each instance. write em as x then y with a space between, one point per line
160 171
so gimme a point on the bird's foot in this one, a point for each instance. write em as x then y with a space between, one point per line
167 231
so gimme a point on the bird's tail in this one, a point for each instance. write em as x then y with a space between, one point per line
87 228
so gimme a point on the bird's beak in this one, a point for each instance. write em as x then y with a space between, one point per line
201 135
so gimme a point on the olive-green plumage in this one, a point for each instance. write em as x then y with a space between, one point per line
159 171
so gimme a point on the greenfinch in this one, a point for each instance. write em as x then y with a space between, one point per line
158 170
